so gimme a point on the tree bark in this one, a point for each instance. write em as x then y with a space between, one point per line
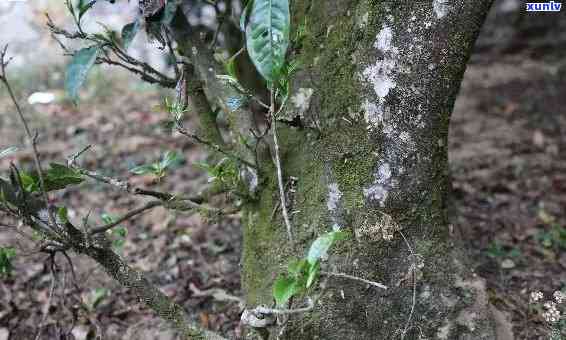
366 138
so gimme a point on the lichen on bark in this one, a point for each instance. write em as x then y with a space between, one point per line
384 79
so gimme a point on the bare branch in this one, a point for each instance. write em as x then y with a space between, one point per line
31 138
214 147
280 183
355 278
305 309
127 216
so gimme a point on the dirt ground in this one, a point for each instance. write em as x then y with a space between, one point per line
509 182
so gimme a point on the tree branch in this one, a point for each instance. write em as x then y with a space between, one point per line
32 139
127 216
164 306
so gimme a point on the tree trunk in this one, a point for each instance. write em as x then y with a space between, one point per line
366 140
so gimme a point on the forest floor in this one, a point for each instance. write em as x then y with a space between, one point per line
507 145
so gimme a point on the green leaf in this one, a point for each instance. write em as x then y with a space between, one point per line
169 12
29 182
119 236
63 215
283 289
169 158
60 176
8 151
313 274
297 268
267 36
96 296
107 218
244 16
144 169
6 255
230 67
84 7
320 246
78 69
129 32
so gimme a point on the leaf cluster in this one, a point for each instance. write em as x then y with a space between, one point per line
159 169
303 273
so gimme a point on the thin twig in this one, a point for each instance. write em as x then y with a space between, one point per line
414 299
213 146
32 138
127 216
72 160
275 311
279 171
355 278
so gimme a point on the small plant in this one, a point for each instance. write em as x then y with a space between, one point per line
223 174
6 255
159 169
497 250
117 234
303 273
95 297
554 236
56 177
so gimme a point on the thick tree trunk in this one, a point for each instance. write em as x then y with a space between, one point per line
374 98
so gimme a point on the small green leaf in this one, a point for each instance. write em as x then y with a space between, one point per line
169 12
267 36
107 219
63 215
313 274
60 176
144 169
78 69
29 182
297 268
230 67
129 32
6 255
283 289
119 235
84 7
96 296
244 16
169 158
320 246
8 151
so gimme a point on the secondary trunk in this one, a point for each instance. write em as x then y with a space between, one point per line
366 140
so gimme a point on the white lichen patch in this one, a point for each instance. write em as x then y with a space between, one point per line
384 172
384 39
334 196
302 100
333 204
373 114
381 75
441 8
379 190
384 108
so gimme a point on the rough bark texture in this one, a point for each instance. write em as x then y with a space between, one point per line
368 144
